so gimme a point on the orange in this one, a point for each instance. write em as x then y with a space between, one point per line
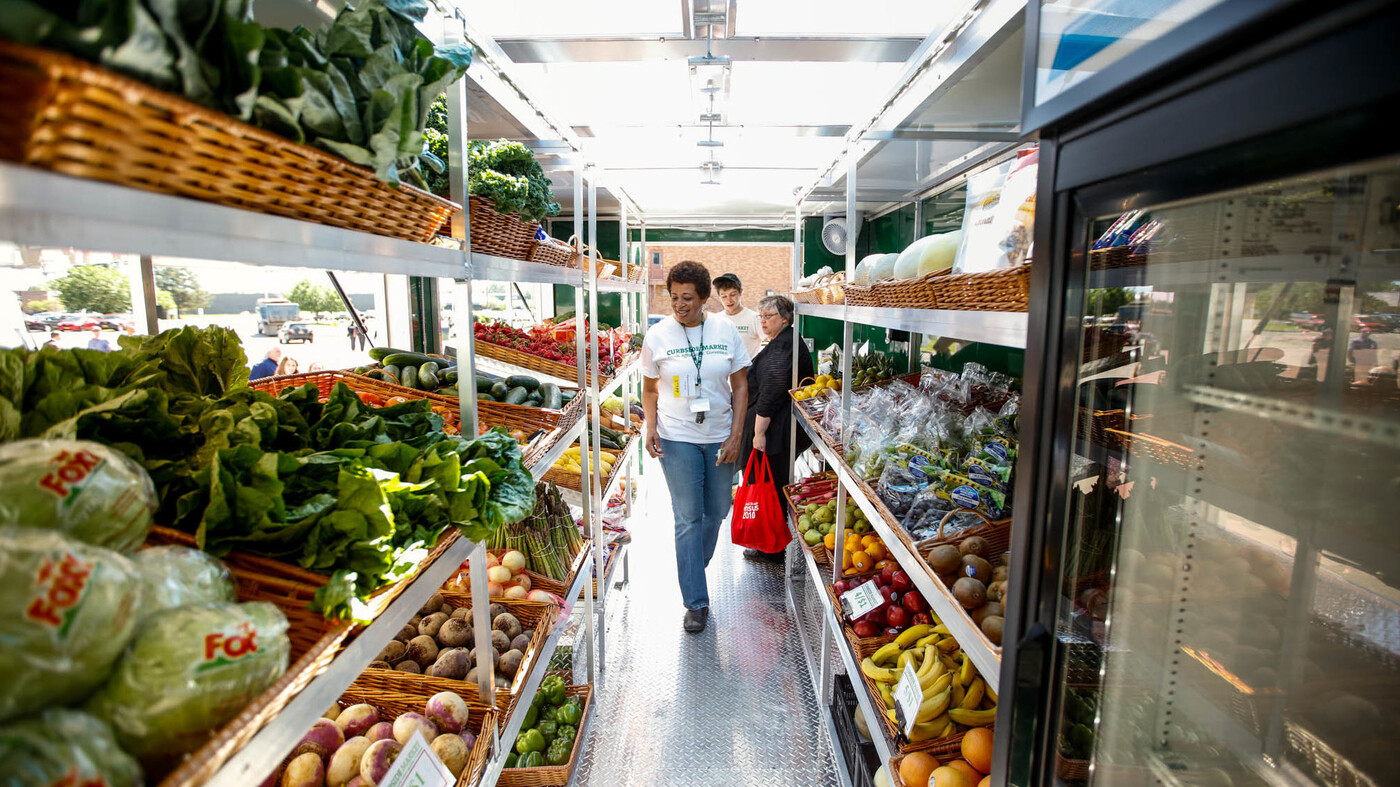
986 782
916 768
862 561
879 564
977 748
948 776
876 550
973 775
870 539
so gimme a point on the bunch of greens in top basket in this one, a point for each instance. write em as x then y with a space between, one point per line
507 174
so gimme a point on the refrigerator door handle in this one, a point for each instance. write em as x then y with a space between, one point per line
1029 701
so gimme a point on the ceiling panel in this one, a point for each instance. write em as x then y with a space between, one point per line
545 18
842 17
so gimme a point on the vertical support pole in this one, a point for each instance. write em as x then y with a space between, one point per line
457 145
585 480
143 296
595 454
798 346
629 320
481 622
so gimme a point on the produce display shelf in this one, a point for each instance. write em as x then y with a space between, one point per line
511 726
1007 329
565 441
252 763
941 601
883 745
624 375
485 267
502 369
45 209
617 285
799 612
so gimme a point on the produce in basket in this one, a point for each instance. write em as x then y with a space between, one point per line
73 608
440 642
549 537
174 576
550 727
64 747
903 607
955 697
80 488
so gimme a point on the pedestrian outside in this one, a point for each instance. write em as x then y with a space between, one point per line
768 417
53 340
267 367
694 395
98 343
287 366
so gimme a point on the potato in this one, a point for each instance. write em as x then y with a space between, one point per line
500 641
455 633
423 649
508 623
522 642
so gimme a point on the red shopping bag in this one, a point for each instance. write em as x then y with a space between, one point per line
758 516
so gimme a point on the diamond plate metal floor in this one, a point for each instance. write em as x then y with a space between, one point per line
731 706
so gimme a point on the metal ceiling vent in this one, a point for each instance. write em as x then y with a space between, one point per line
835 233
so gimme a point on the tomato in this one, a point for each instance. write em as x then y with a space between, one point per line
393 400
371 399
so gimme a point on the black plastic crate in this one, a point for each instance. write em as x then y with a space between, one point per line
860 756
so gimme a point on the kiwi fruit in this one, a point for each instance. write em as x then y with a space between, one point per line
977 568
975 545
944 559
990 609
970 593
1001 574
991 626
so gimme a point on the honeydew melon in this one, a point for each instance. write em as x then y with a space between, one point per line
928 255
862 276
883 270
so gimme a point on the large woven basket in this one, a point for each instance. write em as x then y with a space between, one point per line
552 252
482 720
534 363
1002 290
998 536
551 775
637 274
315 644
942 748
915 293
574 481
66 115
857 295
818 551
498 234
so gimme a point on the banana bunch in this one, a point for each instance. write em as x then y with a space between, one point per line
955 696
571 462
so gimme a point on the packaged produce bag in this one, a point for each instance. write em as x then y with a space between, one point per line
67 611
64 747
758 516
189 670
176 576
86 490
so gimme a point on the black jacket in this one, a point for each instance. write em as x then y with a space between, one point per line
770 379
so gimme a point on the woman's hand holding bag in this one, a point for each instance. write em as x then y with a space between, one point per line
758 515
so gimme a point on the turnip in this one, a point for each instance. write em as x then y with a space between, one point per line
378 759
356 719
492 560
306 770
524 581
455 632
332 713
495 589
468 737
408 723
514 561
383 731
356 782
453 751
499 574
324 737
345 763
541 595
447 711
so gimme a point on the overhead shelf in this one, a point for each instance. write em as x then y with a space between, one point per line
485 267
617 285
39 208
252 763
988 663
1004 328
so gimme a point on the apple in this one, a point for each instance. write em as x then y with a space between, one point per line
889 594
922 619
898 616
877 615
841 586
914 602
887 573
865 628
894 631
900 580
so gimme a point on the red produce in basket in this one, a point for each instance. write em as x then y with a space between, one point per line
898 616
865 628
894 631
922 619
900 579
841 586
915 602
887 573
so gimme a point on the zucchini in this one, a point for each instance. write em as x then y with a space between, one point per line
536 397
523 381
552 399
409 359
451 392
430 366
449 376
483 383
380 353
393 371
361 369
409 378
530 403
499 390
484 397
516 395
608 442
427 378
568 396
377 374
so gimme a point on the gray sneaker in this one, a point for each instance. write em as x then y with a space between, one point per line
695 619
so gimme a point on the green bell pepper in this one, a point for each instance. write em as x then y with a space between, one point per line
566 732
532 760
511 759
531 716
569 714
548 729
559 752
529 741
553 689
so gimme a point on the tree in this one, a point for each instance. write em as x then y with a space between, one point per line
95 288
184 287
313 298
35 307
1107 301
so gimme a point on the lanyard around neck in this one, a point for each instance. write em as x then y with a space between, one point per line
695 357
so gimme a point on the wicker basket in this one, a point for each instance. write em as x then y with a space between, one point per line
65 115
637 274
535 615
915 293
552 252
941 748
1155 449
998 536
498 234
858 644
805 296
574 481
1071 770
1003 290
551 775
818 551
857 295
482 720
835 290
534 363
1113 257
315 644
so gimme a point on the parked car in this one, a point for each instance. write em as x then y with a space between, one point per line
77 322
1391 321
295 332
1309 321
1365 322
113 322
33 323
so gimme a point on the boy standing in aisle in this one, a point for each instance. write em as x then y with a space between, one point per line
729 290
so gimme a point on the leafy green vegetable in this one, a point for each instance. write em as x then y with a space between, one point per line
507 174
61 746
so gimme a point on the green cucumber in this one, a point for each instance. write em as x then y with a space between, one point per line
430 366
449 392
568 395
380 353
523 381
552 398
499 391
427 378
393 371
410 359
484 383
409 378
516 395
484 397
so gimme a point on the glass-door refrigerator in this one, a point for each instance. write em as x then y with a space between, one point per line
1206 575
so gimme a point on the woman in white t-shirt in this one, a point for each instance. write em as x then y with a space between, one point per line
694 392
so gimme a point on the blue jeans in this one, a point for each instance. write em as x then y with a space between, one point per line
700 499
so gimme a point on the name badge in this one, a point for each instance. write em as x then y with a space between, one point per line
699 405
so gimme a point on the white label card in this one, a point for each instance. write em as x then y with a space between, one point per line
418 766
907 698
862 599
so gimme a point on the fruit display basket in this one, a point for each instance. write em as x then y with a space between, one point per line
543 366
552 775
857 295
940 748
574 481
998 537
482 720
857 643
538 616
315 642
818 551
915 293
499 234
553 252
65 115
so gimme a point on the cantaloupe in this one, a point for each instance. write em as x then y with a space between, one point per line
884 269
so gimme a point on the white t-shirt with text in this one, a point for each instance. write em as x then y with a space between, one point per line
747 323
669 358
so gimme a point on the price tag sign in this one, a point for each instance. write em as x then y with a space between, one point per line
862 599
907 698
418 766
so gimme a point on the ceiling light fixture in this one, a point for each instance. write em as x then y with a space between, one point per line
709 172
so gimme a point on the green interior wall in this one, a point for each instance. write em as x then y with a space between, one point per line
609 303
673 235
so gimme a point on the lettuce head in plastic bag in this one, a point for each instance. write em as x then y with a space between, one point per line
63 747
67 612
86 490
189 670
175 576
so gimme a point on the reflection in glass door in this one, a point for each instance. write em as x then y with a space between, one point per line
1230 607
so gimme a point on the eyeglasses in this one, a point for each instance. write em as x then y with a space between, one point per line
767 315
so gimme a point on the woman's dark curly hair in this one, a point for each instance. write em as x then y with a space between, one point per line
688 272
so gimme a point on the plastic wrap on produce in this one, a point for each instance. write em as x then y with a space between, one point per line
174 576
64 747
91 492
70 610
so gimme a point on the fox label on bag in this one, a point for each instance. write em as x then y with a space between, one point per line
758 515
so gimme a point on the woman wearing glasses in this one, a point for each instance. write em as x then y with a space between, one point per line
768 418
